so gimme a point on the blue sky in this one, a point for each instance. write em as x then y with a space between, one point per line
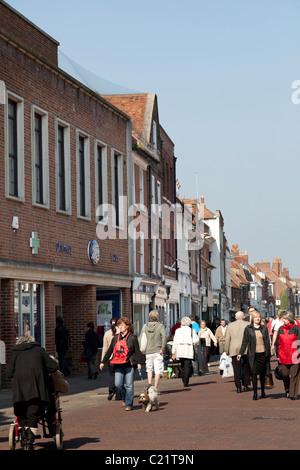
223 74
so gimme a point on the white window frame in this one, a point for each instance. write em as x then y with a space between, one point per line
66 127
20 147
45 155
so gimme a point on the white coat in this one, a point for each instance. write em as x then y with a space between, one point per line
184 339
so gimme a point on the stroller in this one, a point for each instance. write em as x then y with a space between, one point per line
50 420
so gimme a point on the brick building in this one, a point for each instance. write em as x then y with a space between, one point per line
64 152
153 191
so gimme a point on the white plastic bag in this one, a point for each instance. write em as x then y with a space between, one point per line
222 361
228 369
143 345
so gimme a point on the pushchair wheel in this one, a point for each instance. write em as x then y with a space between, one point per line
59 437
13 437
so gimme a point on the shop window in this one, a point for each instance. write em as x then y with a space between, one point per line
29 311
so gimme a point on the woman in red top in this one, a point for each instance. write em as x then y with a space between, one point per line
288 341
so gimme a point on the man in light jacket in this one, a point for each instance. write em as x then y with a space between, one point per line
156 343
233 342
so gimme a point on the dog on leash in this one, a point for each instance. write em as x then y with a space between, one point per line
149 399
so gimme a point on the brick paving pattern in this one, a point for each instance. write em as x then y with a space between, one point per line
208 415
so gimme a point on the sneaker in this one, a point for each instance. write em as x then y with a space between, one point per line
127 408
110 396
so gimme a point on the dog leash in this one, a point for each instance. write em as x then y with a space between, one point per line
142 380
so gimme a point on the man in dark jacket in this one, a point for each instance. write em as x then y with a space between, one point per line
92 343
29 366
62 342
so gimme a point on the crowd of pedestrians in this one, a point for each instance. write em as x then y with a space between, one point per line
249 341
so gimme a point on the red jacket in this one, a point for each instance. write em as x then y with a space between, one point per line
288 341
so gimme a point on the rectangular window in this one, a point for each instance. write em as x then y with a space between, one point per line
153 199
141 186
100 198
29 311
13 148
142 253
82 210
100 157
116 190
38 158
154 255
159 257
154 134
159 198
83 175
61 169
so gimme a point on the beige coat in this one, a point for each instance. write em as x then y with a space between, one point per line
108 336
234 337
208 335
219 334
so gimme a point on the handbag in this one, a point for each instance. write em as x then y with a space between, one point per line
143 346
85 355
278 373
59 383
269 383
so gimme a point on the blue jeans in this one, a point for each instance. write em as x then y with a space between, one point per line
125 376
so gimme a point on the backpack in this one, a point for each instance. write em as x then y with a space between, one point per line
120 351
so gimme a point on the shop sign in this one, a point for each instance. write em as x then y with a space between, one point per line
63 248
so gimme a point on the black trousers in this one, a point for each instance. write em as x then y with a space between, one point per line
29 412
186 368
241 371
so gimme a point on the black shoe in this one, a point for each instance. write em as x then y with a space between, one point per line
292 398
95 375
255 396
238 390
263 395
110 396
246 388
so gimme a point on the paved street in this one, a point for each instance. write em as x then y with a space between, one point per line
208 415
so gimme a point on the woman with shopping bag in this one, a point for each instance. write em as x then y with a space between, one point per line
256 338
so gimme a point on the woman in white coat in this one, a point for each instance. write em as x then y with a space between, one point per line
207 336
183 348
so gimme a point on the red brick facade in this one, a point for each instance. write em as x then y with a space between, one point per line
28 67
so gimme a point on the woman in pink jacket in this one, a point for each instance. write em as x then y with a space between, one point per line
287 341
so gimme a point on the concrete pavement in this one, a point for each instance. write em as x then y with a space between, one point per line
208 415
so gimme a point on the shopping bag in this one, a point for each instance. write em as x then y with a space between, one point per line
222 361
143 346
228 369
269 383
